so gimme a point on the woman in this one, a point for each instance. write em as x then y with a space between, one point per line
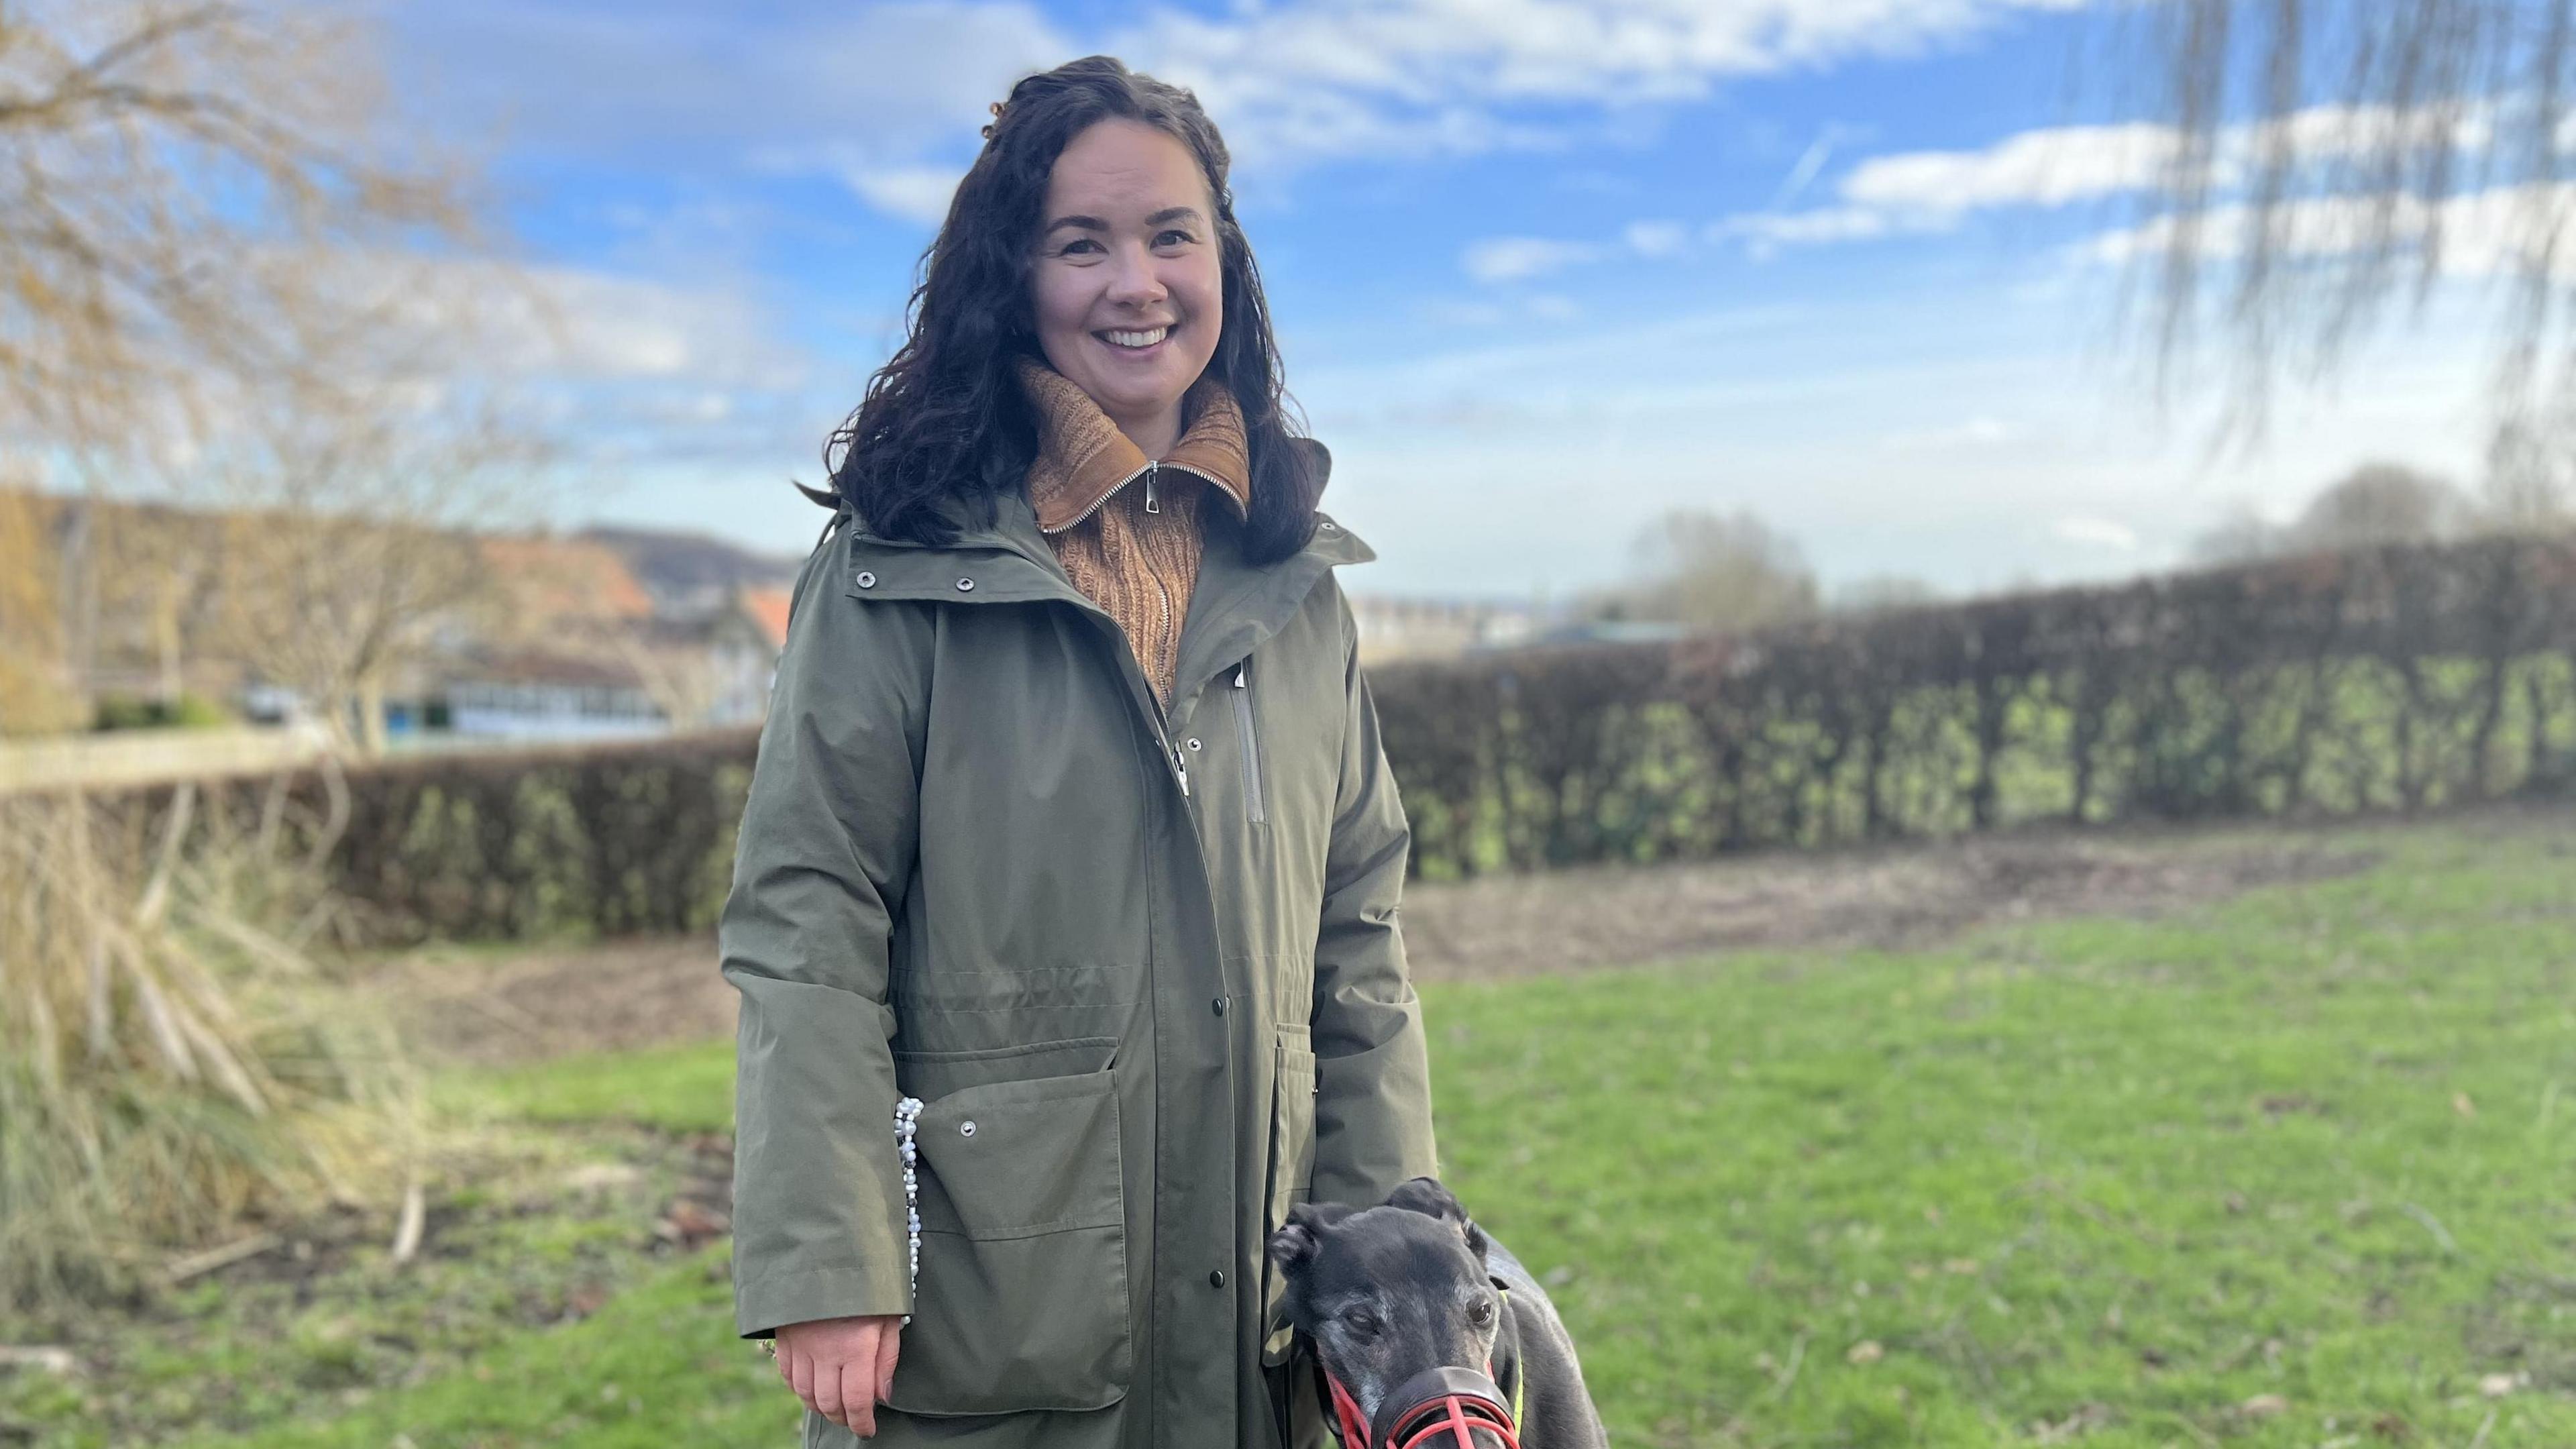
1070 822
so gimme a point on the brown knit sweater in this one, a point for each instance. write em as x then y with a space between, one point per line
1133 550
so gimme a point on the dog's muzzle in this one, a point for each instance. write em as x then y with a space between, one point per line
1439 1408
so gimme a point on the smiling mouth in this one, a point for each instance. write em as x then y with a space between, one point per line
1135 341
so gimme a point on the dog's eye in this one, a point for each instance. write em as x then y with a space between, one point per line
1360 1321
1480 1312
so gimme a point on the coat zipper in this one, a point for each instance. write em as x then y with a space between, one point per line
1251 741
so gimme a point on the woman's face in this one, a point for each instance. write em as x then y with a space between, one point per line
1126 284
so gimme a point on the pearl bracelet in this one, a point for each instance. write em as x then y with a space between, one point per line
907 1114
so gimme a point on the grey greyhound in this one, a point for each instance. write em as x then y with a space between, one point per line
1428 1332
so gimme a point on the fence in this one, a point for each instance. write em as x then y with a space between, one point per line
127 758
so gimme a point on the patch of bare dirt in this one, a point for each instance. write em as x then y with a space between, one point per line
489 1008
1897 897
486 1007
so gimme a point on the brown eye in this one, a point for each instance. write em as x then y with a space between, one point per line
1480 1313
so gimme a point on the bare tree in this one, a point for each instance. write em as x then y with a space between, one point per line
2379 503
36 695
166 170
2374 504
344 552
2530 483
207 294
1717 571
2333 162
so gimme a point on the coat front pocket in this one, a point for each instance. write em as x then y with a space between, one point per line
1022 1300
1292 1174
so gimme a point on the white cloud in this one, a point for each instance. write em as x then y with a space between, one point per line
873 95
1767 231
2496 232
2103 533
1657 238
1980 431
915 193
1343 77
2036 168
882 95
572 323
1517 258
1933 191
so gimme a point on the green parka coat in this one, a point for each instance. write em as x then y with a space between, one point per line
1141 966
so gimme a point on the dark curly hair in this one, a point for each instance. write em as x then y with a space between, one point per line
944 430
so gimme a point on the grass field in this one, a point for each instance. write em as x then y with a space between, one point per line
2299 1169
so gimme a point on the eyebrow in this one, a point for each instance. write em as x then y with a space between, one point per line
1093 223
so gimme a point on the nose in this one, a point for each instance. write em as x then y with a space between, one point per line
1135 283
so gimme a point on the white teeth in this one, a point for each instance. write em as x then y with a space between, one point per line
1137 339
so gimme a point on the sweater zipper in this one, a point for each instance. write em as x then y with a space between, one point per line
1242 693
1153 501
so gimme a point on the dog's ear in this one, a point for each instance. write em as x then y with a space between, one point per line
1426 1196
1295 1245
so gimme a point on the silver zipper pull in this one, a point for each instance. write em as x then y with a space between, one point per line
1181 768
1238 676
1151 506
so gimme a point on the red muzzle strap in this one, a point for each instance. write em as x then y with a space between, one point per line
1441 1408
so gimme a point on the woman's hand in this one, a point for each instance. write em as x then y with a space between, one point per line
840 1366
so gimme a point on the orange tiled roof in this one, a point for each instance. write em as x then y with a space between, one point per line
558 578
767 608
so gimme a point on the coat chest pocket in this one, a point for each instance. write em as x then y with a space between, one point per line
1022 1302
1292 1174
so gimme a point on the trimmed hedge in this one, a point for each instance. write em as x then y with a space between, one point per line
2387 679
2392 679
602 840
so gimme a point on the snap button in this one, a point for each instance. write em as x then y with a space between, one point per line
965 586
867 580
1194 744
1216 1278
965 1129
1328 526
1217 1006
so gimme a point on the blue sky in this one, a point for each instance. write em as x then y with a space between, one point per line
1543 269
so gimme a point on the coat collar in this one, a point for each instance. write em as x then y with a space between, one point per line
1083 457
1235 606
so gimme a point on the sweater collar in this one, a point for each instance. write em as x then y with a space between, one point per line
1083 457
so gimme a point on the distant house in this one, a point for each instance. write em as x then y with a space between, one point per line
742 644
535 695
1396 628
588 651
1612 631
552 581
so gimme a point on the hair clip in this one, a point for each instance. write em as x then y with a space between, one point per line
998 108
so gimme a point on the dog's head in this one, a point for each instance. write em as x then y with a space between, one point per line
1388 1293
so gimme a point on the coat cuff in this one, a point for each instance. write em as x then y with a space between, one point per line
763 1305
